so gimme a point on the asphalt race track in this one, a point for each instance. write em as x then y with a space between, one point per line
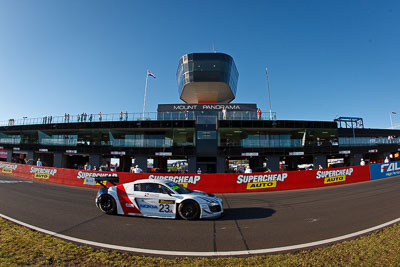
252 221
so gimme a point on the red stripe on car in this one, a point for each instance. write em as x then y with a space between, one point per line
126 203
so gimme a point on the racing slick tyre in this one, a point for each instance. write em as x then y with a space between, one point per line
189 210
107 204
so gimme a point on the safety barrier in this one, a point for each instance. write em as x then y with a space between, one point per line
215 183
385 170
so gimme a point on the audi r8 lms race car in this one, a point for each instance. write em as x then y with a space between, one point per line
156 198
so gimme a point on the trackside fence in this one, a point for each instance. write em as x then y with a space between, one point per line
214 183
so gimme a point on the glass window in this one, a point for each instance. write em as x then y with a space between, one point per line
206 135
183 137
207 120
152 188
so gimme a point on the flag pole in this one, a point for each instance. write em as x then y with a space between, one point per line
145 92
269 95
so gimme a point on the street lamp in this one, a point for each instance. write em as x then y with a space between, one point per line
391 119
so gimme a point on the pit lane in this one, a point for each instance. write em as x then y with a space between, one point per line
253 222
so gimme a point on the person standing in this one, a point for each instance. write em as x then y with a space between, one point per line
100 116
223 113
39 163
137 169
259 114
248 169
86 167
362 162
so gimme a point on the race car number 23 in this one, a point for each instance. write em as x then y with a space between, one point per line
166 208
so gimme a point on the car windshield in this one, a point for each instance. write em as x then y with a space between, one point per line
179 188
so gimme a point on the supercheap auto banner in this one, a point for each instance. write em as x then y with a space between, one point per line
212 183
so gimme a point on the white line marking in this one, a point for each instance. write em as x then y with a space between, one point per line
14 182
205 253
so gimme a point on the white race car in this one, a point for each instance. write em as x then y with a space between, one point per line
156 198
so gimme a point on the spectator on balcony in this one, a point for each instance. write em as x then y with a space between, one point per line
223 113
259 114
39 163
100 116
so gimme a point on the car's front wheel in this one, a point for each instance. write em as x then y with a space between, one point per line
189 210
107 204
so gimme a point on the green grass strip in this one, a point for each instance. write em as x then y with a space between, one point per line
22 246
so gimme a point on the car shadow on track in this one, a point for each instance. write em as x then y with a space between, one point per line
246 213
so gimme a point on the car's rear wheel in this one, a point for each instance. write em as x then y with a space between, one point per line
189 210
107 204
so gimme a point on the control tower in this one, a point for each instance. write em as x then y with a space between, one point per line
207 78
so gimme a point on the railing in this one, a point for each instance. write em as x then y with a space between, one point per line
271 143
58 142
11 141
362 141
124 116
142 143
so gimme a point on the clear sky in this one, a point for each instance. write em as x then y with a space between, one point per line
325 58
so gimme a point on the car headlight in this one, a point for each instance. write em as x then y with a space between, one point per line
209 201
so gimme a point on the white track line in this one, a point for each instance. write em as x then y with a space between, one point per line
205 254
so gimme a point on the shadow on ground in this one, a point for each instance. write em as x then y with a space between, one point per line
246 213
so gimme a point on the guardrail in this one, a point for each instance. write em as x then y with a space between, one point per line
125 116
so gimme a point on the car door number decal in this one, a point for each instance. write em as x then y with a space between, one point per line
166 208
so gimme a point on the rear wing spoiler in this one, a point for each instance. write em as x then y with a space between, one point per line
103 178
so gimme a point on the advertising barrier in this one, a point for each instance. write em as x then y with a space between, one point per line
211 183
385 170
3 153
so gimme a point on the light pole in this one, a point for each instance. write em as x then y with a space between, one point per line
391 119
269 94
148 73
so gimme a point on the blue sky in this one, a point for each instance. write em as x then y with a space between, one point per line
325 58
